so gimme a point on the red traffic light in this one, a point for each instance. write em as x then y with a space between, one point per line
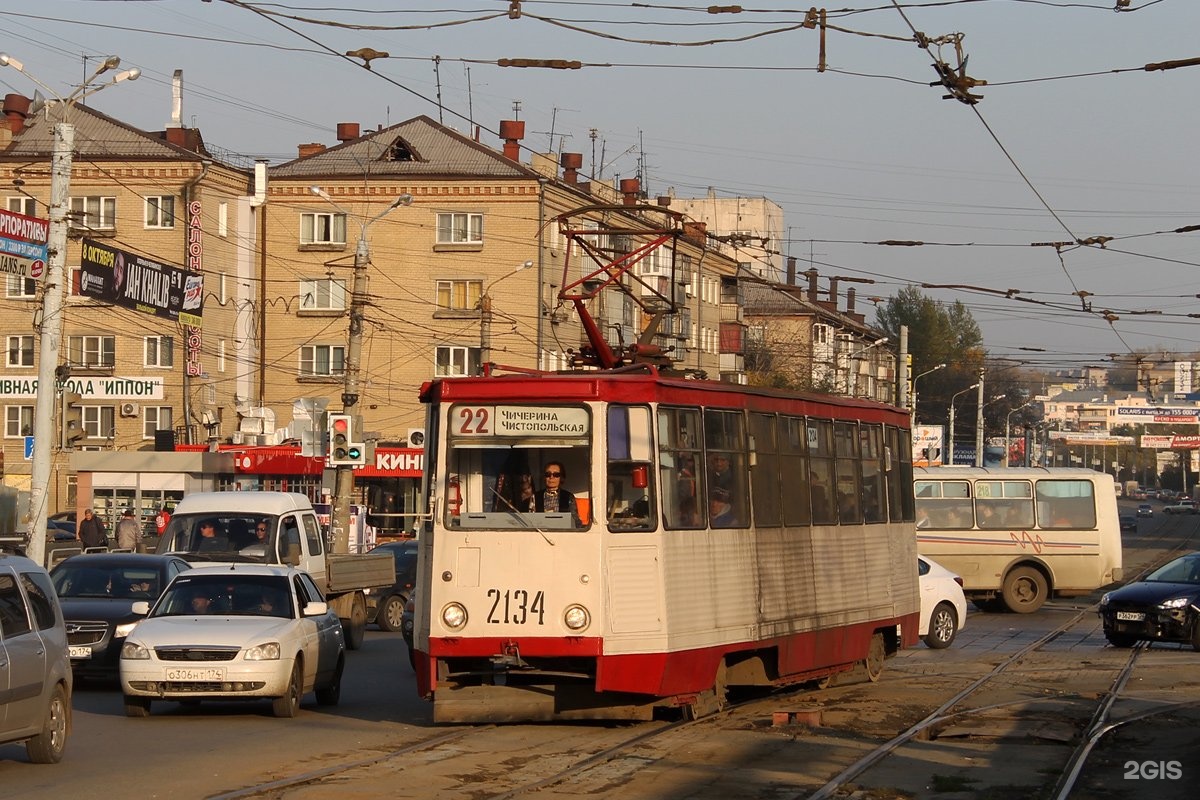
341 425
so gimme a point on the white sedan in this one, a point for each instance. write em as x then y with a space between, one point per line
943 606
233 633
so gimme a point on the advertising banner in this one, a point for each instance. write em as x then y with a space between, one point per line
1144 414
23 245
135 282
928 441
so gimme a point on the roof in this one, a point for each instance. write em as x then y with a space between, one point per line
118 559
277 570
242 503
97 136
417 147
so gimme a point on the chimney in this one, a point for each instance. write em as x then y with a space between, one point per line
347 131
811 274
664 200
177 136
791 271
571 162
833 294
512 132
176 100
696 231
631 188
850 300
16 110
310 149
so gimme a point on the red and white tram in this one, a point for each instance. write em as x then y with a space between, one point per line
673 579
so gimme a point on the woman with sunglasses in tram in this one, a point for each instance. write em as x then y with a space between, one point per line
554 498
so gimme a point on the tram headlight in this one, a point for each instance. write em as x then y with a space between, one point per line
454 616
577 618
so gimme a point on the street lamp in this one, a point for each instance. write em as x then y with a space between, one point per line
852 389
913 408
485 316
1008 429
950 448
344 484
44 420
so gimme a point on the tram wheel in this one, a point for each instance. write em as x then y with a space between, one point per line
1025 590
874 660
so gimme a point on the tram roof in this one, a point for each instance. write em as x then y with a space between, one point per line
647 387
953 471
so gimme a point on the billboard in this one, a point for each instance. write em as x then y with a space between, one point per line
23 245
1143 414
927 444
131 281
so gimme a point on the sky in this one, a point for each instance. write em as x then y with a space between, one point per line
1073 139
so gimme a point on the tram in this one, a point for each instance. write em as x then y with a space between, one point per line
622 542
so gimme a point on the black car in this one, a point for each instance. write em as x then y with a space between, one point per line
97 592
386 606
1162 607
1129 522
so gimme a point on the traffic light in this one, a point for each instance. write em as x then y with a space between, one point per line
344 451
72 418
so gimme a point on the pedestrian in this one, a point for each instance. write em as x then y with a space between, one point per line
92 532
129 532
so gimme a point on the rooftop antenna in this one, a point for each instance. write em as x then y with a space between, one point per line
593 134
516 109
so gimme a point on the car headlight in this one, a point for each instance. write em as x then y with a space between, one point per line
576 618
1104 600
124 630
454 616
264 652
133 651
1175 602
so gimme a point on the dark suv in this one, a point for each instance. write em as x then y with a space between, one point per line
386 606
33 656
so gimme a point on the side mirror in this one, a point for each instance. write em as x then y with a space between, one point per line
141 608
316 609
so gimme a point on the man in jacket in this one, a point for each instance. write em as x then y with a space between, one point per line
129 532
92 532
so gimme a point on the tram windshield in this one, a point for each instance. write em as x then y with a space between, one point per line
519 467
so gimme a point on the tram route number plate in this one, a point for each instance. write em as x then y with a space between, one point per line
196 674
79 652
1130 616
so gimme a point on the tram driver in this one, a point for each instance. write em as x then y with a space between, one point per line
553 498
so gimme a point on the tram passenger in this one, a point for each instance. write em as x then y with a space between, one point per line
554 498
720 509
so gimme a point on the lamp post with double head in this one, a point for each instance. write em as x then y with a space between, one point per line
913 409
1008 429
485 317
53 287
950 443
344 482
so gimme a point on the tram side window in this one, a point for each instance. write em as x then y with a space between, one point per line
1003 505
793 458
944 505
1065 504
726 484
873 496
898 473
630 504
680 459
821 481
764 475
849 472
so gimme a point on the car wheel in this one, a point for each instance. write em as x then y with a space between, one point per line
1196 632
48 746
354 630
943 626
137 706
876 652
1122 640
289 704
390 613
330 695
1024 590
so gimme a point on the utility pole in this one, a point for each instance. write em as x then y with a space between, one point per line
51 331
979 424
485 316
343 495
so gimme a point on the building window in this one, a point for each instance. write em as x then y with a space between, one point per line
322 359
158 418
92 351
460 228
323 294
220 355
160 212
18 421
457 361
99 422
322 228
23 205
94 212
160 351
222 219
16 286
459 294
20 351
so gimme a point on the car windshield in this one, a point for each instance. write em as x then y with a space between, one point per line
228 537
227 594
121 583
1181 570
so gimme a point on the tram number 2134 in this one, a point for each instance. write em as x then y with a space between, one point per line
516 607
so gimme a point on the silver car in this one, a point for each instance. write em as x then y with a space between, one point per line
35 670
